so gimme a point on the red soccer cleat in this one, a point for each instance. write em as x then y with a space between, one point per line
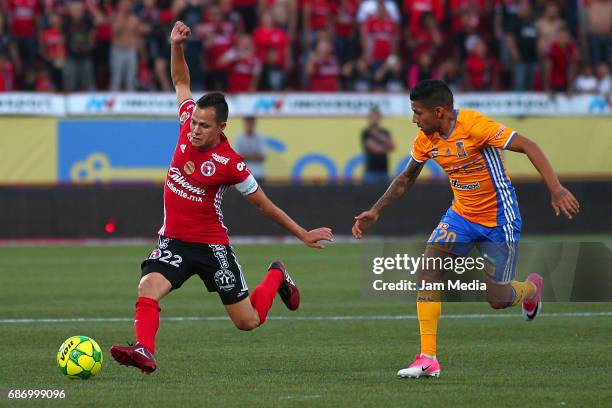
533 306
136 356
287 290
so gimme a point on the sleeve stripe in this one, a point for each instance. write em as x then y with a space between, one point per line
418 161
184 102
509 140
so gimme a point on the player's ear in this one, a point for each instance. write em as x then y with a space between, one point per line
438 112
222 126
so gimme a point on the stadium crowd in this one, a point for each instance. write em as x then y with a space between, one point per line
313 45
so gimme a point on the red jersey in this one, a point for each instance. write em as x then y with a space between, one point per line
23 17
264 39
416 8
480 71
320 11
244 69
223 37
52 41
345 18
561 58
195 184
325 75
381 33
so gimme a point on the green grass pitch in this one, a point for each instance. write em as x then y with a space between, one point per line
556 361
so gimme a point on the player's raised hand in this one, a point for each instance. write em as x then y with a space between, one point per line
563 201
180 33
364 221
313 237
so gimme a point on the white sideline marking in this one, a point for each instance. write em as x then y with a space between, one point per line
301 318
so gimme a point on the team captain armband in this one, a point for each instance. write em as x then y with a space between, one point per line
248 186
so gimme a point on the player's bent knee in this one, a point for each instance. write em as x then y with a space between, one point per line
153 286
246 324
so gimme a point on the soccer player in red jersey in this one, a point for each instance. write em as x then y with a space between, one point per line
484 213
193 239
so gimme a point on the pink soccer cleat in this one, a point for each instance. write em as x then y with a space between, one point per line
533 305
422 367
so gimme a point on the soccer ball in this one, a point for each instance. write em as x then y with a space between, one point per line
79 357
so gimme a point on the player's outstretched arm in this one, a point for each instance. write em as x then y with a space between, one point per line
562 200
311 238
178 66
399 186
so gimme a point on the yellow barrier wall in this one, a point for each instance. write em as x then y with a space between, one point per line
577 147
29 150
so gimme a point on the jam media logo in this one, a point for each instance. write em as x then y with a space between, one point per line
268 104
100 103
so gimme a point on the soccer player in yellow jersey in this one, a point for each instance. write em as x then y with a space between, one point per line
484 212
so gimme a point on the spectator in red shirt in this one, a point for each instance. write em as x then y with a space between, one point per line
268 36
244 66
468 14
427 37
53 49
284 14
481 70
219 37
23 22
316 16
345 28
561 63
414 9
322 69
379 37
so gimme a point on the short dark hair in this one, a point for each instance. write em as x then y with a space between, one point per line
215 100
432 93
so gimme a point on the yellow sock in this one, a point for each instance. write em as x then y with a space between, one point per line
522 290
428 313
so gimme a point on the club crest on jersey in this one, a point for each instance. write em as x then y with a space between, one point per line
225 279
155 254
461 149
184 117
189 167
208 168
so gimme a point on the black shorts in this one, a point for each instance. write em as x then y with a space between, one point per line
216 265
